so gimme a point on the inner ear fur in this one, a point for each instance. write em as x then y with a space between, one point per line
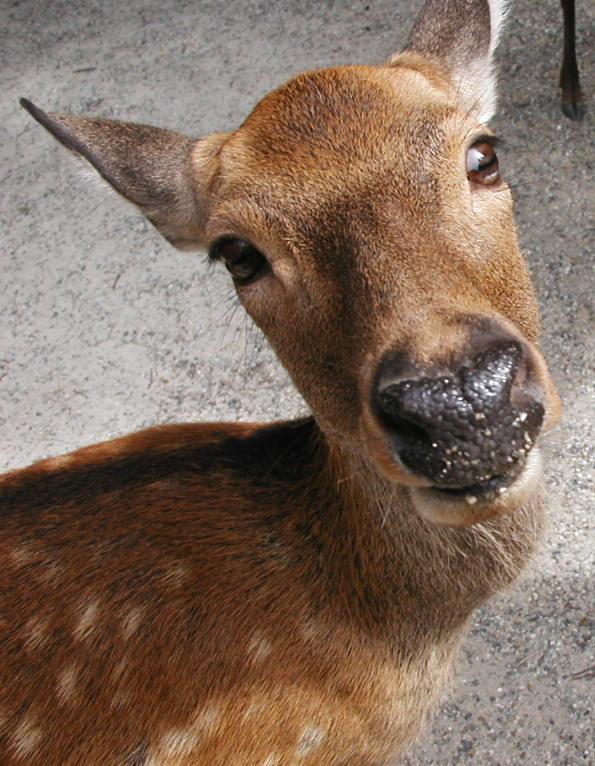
165 174
461 36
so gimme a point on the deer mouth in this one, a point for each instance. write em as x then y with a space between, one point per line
499 495
485 490
490 487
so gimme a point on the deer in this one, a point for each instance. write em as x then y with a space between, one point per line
295 592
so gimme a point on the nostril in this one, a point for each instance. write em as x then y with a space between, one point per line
410 431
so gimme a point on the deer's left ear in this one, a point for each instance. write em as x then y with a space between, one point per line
165 174
462 35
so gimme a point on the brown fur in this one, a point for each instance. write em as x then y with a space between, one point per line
208 586
249 595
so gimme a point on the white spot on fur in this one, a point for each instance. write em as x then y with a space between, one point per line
51 572
87 620
179 742
252 709
312 738
132 621
119 669
176 575
35 631
22 554
119 699
206 719
66 684
272 760
26 737
312 630
259 648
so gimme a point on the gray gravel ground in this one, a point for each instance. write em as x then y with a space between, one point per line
104 328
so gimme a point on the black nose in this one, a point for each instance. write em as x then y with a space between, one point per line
462 431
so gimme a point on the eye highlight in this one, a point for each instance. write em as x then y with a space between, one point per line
244 262
482 162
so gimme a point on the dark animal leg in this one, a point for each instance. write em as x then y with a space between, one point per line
572 98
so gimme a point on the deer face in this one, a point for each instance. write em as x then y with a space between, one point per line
389 280
369 234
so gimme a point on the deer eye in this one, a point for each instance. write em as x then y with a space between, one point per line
482 164
244 262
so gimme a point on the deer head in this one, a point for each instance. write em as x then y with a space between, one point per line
369 233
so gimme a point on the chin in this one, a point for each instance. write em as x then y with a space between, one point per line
467 507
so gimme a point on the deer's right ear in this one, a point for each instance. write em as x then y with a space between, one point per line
165 174
462 35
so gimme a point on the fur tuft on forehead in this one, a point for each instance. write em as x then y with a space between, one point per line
318 108
327 115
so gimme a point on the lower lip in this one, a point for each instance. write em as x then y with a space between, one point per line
494 487
497 490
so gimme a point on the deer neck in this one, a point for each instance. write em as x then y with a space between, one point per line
397 574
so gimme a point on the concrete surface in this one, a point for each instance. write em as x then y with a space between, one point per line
104 328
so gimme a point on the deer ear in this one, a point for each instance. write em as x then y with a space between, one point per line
462 36
165 174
